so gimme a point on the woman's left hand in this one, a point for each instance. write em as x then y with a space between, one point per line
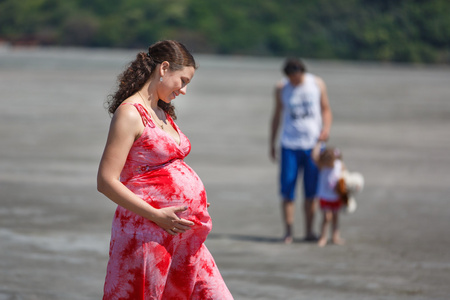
170 222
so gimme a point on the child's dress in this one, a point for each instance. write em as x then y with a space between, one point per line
328 178
145 261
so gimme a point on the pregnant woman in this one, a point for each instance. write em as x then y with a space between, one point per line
157 246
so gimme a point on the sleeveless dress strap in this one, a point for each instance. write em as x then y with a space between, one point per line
172 122
145 116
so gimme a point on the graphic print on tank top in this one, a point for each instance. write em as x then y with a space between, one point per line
302 119
302 108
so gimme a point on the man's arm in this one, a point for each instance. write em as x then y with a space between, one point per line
275 121
327 116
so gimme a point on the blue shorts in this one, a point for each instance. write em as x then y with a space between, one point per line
292 163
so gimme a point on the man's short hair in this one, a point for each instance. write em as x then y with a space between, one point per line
293 65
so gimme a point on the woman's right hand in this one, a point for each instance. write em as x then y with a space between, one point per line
168 220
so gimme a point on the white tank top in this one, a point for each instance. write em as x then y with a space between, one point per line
302 119
328 178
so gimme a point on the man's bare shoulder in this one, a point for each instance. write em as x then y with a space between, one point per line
319 81
280 84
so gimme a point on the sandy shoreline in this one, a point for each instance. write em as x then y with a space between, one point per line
391 121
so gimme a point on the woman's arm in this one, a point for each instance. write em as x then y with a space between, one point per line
126 126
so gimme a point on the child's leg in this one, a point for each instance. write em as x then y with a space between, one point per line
337 240
325 222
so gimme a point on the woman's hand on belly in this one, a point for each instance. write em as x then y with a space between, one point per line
168 220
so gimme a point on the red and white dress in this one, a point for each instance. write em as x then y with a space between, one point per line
145 262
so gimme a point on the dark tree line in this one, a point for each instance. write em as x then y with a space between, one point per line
381 30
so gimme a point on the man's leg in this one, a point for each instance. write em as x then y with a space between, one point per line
288 217
309 212
288 179
310 180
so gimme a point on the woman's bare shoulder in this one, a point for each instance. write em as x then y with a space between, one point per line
127 118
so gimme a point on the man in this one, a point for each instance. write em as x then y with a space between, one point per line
302 107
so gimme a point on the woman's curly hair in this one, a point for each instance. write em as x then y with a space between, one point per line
141 69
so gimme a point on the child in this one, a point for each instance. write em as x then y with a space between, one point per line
329 162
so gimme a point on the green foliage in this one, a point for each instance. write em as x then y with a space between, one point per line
381 30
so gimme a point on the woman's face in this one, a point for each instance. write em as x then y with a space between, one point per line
174 83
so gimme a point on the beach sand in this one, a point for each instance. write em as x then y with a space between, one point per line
391 122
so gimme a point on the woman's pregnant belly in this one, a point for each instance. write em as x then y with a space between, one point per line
175 184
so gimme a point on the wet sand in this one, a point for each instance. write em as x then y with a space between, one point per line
391 122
